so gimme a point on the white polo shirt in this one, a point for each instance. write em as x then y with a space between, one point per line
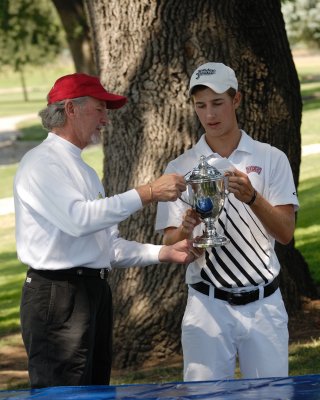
249 259
63 219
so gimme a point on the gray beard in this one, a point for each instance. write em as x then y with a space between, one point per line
96 138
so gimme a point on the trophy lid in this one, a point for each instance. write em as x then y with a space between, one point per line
204 172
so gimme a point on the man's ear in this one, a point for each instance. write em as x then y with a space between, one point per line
69 108
237 100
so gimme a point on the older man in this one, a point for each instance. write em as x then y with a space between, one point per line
66 233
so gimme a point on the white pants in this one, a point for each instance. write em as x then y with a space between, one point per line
214 333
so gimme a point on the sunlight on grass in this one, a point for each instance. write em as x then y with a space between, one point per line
302 360
39 81
10 288
93 156
7 173
307 234
11 277
36 77
307 242
310 127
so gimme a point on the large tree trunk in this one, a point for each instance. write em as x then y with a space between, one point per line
73 17
147 50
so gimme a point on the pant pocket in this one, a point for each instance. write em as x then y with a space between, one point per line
51 302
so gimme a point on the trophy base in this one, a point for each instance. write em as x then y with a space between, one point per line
214 241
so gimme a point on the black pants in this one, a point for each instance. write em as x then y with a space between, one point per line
67 329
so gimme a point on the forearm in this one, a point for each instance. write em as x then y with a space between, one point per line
173 235
279 221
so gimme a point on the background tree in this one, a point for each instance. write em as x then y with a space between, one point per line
73 17
302 19
30 34
147 50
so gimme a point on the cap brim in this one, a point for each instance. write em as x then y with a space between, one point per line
218 88
114 104
113 101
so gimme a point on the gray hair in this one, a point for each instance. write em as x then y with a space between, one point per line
54 115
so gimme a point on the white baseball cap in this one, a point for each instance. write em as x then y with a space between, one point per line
215 76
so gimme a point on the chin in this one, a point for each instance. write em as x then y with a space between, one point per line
95 138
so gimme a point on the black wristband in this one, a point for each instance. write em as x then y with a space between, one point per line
253 198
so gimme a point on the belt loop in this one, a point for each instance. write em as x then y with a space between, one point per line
211 291
261 292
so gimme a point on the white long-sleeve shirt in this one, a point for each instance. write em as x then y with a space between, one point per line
63 219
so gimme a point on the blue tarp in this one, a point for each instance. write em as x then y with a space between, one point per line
306 387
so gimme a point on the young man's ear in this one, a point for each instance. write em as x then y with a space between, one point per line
237 100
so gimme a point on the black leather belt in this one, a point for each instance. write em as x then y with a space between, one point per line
101 273
237 298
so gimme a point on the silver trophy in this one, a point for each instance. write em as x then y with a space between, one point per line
206 191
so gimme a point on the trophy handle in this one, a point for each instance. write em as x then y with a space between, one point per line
187 203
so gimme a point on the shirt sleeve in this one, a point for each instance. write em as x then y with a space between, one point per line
282 189
169 214
130 253
57 198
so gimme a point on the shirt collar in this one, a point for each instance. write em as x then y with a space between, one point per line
245 145
54 138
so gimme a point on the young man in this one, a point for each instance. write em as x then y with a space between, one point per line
234 305
66 233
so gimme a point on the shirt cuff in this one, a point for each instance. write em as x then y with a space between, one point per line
132 200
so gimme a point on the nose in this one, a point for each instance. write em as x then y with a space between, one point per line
104 119
211 112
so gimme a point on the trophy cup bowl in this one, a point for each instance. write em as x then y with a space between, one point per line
206 191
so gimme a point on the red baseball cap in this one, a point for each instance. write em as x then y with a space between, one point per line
80 85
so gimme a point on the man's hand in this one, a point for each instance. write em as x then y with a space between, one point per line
239 184
181 252
166 188
174 234
190 220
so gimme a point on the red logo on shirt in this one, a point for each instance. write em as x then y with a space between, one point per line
253 168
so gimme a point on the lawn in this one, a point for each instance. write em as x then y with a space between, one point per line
38 83
307 234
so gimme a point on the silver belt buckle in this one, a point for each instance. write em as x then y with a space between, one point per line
104 273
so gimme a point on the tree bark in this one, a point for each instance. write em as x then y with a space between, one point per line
73 17
147 50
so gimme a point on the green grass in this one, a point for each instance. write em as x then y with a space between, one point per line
302 360
6 178
11 278
32 130
148 375
307 236
14 107
36 77
38 82
310 127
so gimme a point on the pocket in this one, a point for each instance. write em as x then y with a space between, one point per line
51 302
274 310
61 303
188 313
